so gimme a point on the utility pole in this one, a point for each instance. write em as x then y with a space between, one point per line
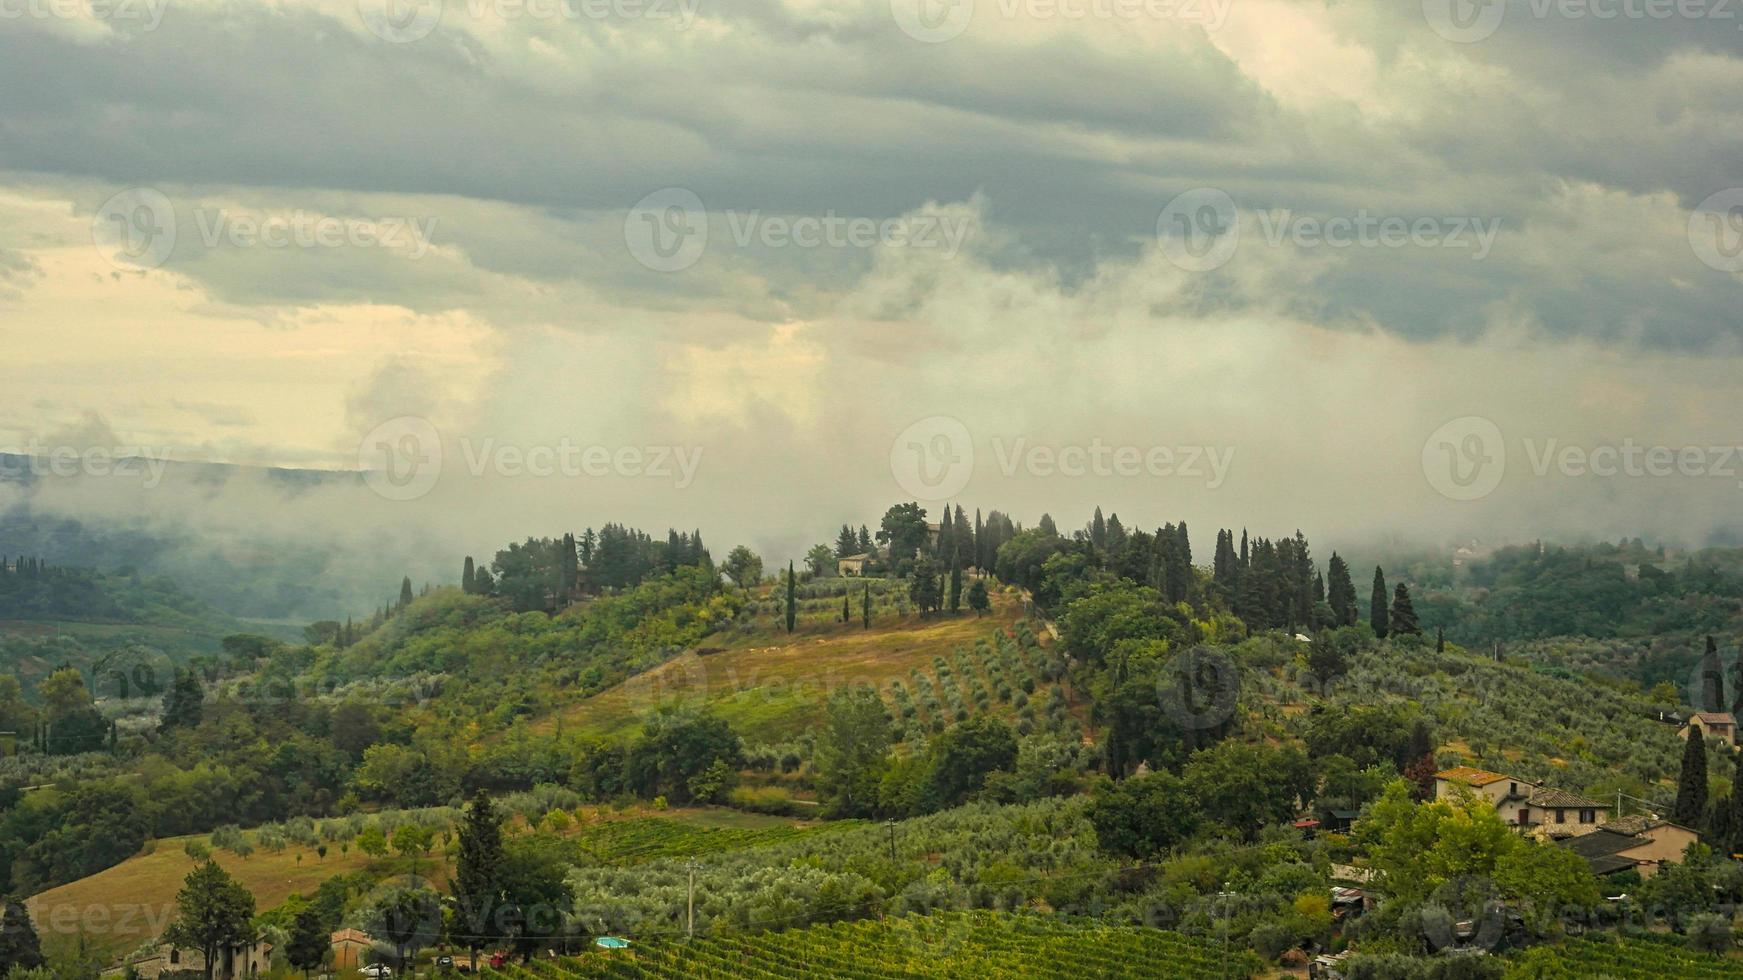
691 929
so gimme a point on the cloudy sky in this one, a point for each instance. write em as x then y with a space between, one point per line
760 267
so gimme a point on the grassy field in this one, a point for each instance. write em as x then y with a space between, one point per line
769 686
122 907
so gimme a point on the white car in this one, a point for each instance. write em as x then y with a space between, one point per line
380 971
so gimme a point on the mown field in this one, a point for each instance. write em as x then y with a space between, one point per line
965 944
771 687
119 908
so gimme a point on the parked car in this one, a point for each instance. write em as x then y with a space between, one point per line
380 971
445 962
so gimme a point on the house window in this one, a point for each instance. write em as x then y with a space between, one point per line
1561 816
1513 789
175 956
1588 816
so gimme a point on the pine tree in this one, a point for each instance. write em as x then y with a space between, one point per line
1377 614
1691 785
1402 620
478 886
792 597
1098 531
846 544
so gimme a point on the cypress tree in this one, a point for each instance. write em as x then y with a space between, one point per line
1377 615
1402 620
1712 679
1340 591
477 885
865 607
846 610
792 597
955 585
19 944
467 572
1440 639
405 592
1691 785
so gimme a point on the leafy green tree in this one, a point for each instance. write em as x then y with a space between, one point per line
1143 816
978 600
477 885
676 746
904 531
371 841
310 940
850 751
963 757
1325 657
1402 619
821 560
20 948
1377 609
1691 784
412 841
1248 787
408 919
63 692
743 567
213 913
535 893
